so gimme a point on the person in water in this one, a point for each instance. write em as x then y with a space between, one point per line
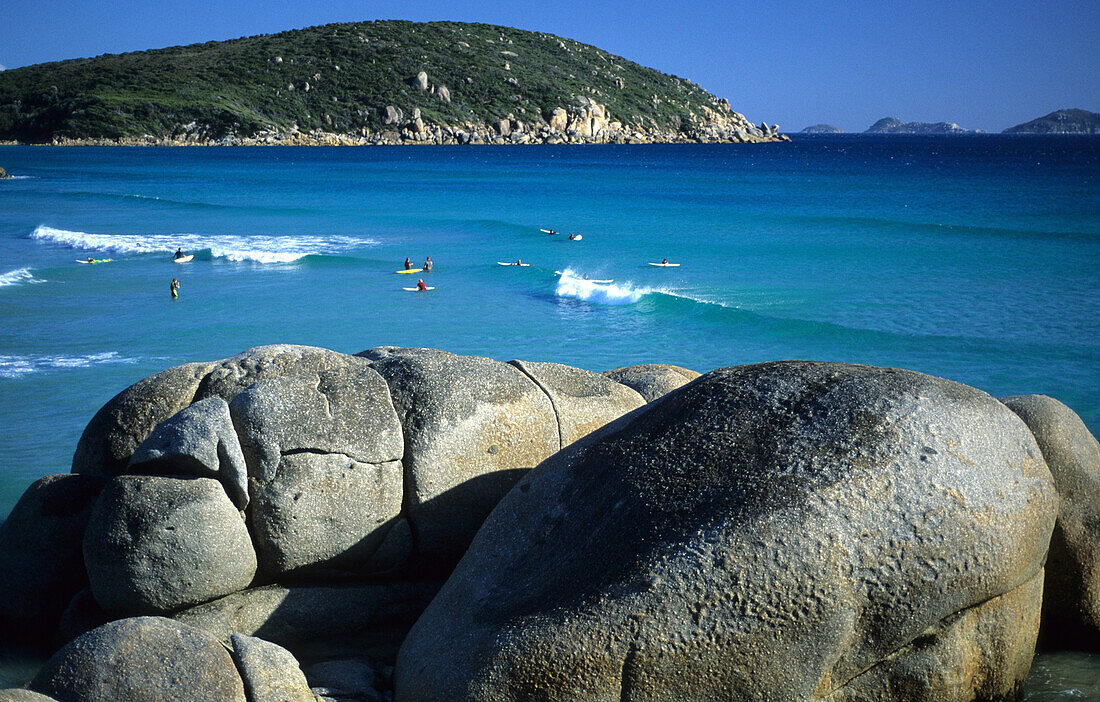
175 287
420 285
572 237
428 263
519 261
179 253
408 264
664 261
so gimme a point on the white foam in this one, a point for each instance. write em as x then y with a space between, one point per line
570 285
16 366
19 276
237 248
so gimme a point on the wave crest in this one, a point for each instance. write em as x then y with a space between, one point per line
235 248
573 286
16 366
19 276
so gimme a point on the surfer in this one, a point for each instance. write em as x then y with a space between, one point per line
420 285
89 259
428 263
175 287
519 262
408 264
572 237
664 261
179 253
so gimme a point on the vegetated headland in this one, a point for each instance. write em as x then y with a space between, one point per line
384 82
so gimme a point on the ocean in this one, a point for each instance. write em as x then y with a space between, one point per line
974 258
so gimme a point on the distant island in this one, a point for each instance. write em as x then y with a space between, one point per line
893 125
822 129
1060 122
385 82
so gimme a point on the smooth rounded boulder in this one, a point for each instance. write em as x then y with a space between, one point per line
141 659
325 475
783 531
155 545
198 440
1071 603
270 672
652 380
472 427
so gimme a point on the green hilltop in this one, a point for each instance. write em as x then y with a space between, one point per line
365 82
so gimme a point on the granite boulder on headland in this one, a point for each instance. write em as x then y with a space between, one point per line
884 528
822 129
1060 122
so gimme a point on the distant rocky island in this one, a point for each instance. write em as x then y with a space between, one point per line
893 125
822 129
1060 122
385 82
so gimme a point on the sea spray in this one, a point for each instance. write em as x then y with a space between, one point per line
571 285
16 366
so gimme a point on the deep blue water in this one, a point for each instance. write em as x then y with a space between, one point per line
972 258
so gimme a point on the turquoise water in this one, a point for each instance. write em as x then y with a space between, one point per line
971 258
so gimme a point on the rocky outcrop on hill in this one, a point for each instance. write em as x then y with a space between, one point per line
4 174
292 511
893 125
822 129
1060 122
388 82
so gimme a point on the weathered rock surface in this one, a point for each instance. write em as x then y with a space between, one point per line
472 427
323 458
141 659
344 679
155 545
270 672
838 514
320 620
652 380
198 440
41 562
21 695
1071 603
583 401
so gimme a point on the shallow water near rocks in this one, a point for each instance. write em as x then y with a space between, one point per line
971 258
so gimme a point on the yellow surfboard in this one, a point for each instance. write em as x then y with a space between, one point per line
410 270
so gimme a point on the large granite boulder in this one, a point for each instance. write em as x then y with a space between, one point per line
270 672
198 440
120 426
472 427
41 563
583 401
324 463
1071 602
794 531
652 380
141 659
155 545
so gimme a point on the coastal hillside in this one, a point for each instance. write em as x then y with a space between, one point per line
365 82
1060 122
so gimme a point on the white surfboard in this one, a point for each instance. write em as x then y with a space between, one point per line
430 287
502 263
183 259
94 260
665 265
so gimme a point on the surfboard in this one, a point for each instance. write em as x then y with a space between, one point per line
547 231
430 287
502 263
578 237
602 282
94 260
410 270
184 259
665 265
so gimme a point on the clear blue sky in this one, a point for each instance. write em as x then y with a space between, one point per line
984 64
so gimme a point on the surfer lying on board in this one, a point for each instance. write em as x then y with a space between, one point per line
408 263
420 285
175 287
428 263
